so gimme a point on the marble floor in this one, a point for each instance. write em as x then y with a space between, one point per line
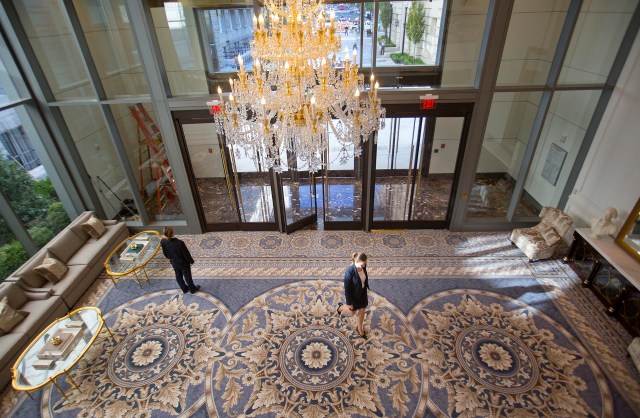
489 199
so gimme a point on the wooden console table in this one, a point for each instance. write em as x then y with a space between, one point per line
611 273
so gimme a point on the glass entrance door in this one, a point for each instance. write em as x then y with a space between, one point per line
341 189
254 189
232 189
416 162
211 175
404 178
298 191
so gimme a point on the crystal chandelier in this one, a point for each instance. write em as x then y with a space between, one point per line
302 91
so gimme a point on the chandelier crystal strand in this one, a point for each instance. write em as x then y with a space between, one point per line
297 96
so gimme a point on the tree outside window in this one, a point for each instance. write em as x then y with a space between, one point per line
385 17
415 24
36 204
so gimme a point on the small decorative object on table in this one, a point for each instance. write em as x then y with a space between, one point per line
134 250
603 226
61 344
44 364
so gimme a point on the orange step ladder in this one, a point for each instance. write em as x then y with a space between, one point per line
153 139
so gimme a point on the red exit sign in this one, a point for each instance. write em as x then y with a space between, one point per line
214 106
428 101
428 104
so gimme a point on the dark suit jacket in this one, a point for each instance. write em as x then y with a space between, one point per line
176 251
355 294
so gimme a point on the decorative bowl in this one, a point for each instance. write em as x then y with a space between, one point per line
134 246
56 340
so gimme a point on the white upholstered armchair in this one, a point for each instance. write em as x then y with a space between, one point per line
540 241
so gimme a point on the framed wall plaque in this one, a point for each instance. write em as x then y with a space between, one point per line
553 164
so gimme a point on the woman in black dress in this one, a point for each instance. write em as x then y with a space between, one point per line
356 283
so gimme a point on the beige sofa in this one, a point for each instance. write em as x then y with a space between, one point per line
46 301
82 254
42 309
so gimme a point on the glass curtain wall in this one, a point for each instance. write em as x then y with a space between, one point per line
432 43
25 187
534 31
560 140
87 127
52 42
532 39
596 39
200 45
29 193
107 138
25 184
409 33
429 43
107 32
93 73
506 137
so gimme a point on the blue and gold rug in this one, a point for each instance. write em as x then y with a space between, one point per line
454 330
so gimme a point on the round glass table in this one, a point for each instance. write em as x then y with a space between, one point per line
57 349
132 255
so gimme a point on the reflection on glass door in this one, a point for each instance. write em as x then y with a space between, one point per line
435 176
253 188
416 160
341 189
213 180
398 145
298 194
233 190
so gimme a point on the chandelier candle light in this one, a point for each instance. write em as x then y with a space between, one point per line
302 90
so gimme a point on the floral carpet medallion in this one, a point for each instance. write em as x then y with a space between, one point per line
163 344
490 355
288 354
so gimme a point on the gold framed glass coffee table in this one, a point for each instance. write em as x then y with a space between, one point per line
57 349
132 255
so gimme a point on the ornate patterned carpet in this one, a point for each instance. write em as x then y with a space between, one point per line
459 325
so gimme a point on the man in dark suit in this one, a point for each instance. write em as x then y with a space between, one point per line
180 257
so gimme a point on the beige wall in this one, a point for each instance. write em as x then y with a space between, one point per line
610 175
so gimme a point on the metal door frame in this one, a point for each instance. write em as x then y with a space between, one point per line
305 221
360 171
463 110
203 116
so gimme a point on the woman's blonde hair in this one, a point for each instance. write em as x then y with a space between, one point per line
358 258
167 231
